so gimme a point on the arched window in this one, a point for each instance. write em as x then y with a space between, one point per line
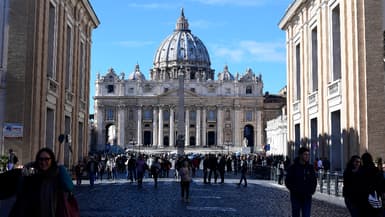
249 90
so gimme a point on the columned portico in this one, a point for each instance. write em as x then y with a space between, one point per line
121 125
172 130
204 129
237 125
160 139
187 131
139 126
198 127
155 115
220 125
100 127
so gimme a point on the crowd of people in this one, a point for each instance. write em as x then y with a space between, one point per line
363 181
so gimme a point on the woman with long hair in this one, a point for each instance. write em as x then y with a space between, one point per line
352 184
41 193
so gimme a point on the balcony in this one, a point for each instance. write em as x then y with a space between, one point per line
52 86
69 97
334 94
334 89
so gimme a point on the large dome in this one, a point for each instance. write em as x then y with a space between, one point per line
182 49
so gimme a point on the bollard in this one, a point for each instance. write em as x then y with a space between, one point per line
320 181
328 182
336 183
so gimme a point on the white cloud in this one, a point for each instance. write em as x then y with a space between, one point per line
151 5
247 50
232 2
135 43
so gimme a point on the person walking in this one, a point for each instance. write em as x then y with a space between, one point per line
205 169
155 169
243 171
221 168
92 167
141 167
302 182
185 179
12 159
351 187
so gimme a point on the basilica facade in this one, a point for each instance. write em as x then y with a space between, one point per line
227 113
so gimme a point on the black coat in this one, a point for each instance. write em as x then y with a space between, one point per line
301 180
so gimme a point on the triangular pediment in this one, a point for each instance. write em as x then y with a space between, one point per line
174 93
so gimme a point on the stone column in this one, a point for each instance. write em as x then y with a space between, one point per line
172 130
204 125
258 132
121 126
237 126
187 129
160 139
155 126
198 127
139 123
100 112
220 125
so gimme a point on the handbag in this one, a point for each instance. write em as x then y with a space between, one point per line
374 200
67 205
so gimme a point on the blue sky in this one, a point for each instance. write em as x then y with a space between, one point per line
240 33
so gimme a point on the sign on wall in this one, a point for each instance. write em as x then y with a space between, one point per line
13 130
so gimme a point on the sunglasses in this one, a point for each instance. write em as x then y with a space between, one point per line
44 159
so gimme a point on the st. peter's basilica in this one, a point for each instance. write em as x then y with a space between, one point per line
227 114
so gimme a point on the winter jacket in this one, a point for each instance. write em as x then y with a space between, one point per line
301 180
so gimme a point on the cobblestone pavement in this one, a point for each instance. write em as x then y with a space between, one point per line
260 198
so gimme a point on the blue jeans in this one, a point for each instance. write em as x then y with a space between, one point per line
300 204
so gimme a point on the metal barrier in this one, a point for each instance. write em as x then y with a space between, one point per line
330 183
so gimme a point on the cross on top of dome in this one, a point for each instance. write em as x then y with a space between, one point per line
182 23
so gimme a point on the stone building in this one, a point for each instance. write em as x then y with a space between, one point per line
224 114
45 72
335 74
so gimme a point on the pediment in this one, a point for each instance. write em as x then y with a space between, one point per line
174 93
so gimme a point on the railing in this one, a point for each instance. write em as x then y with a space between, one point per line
334 88
330 183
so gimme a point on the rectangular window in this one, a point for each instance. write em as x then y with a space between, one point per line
314 60
166 115
211 116
314 139
249 90
249 115
67 131
336 36
49 128
82 70
147 115
80 141
51 41
193 115
68 75
298 72
297 137
3 31
110 114
110 88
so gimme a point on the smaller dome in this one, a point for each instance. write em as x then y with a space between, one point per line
225 75
137 74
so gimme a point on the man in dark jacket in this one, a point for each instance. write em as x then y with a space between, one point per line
301 182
